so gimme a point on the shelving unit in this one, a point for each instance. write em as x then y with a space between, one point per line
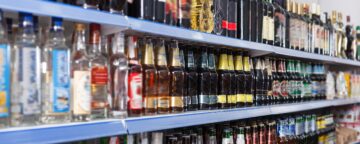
113 23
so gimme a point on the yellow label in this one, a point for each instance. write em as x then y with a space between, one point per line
221 99
150 102
239 63
249 98
176 101
223 63
246 64
163 102
3 107
230 62
231 98
241 98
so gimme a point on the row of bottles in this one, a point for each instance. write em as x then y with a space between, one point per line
289 24
342 85
306 127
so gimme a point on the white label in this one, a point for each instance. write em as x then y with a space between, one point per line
240 139
271 32
81 92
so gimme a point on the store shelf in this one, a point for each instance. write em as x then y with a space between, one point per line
62 132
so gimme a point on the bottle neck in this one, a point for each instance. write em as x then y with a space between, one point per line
118 43
175 57
161 54
211 62
79 41
239 63
223 62
148 58
230 62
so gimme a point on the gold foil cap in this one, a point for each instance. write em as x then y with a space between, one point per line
239 66
247 63
175 54
231 62
148 53
223 62
339 18
160 53
333 16
79 27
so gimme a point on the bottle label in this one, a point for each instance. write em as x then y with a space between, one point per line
291 129
163 102
249 98
240 139
232 99
4 80
177 101
29 74
284 89
61 81
213 99
271 31
203 99
135 99
81 93
150 102
240 98
99 75
221 99
315 87
276 89
265 28
226 141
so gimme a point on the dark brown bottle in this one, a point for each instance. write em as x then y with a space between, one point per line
213 92
159 11
269 92
177 79
271 26
163 78
249 88
240 80
258 82
245 19
253 20
171 12
224 80
221 17
143 9
191 80
232 18
232 91
135 100
276 87
204 79
184 13
149 77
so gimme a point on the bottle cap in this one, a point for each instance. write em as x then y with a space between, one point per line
79 26
56 21
348 19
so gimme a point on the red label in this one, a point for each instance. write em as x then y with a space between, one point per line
135 100
224 24
232 26
99 75
276 89
284 91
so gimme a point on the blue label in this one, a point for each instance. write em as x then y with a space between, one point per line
61 81
4 80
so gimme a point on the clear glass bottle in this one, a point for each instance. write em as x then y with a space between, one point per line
118 76
99 75
55 76
80 73
26 81
4 74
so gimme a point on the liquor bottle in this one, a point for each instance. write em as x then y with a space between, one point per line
194 102
204 77
263 21
221 17
231 98
350 39
331 36
239 19
224 80
315 82
245 23
279 25
213 90
343 37
232 18
308 31
149 76
294 33
91 4
262 132
177 79
5 59
291 85
271 24
248 80
25 91
80 73
240 80
309 83
99 75
163 78
240 134
135 78
185 9
315 29
322 30
264 85
159 14
288 42
255 132
55 76
253 20
283 79
276 83
143 9
119 74
117 6
227 135
248 135
258 75
300 79
206 17
302 27
269 91
171 12
186 98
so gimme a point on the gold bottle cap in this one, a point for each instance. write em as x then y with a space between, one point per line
79 27
160 53
223 62
239 66
247 63
148 53
333 16
175 54
231 62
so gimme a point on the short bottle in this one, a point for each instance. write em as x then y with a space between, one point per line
25 92
177 79
55 76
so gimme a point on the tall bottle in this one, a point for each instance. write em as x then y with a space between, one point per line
271 24
248 80
224 80
143 9
221 17
119 74
159 10
99 75
279 25
184 13
350 39
245 23
316 33
231 99
302 27
240 80
232 18
308 31
262 21
192 82
253 20
288 42
213 92
135 78
163 78
149 77
258 82
56 76
269 86
26 80
4 74
80 73
283 78
343 43
177 79
276 83
204 78
171 12
294 33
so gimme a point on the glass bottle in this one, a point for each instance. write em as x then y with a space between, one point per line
80 73
302 27
240 80
194 102
315 29
206 17
5 83
171 12
350 39
213 90
253 20
210 135
220 16
283 79
306 16
258 75
248 80
25 91
264 86
276 81
143 9
271 24
231 98
288 41
269 90
117 6
290 88
184 13
279 25
99 75
149 77
224 80
227 135
204 77
248 135
299 82
263 20
135 78
55 76
177 79
294 33
159 14
163 77
118 74
245 12
232 18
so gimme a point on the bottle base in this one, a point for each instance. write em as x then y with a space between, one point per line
55 118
